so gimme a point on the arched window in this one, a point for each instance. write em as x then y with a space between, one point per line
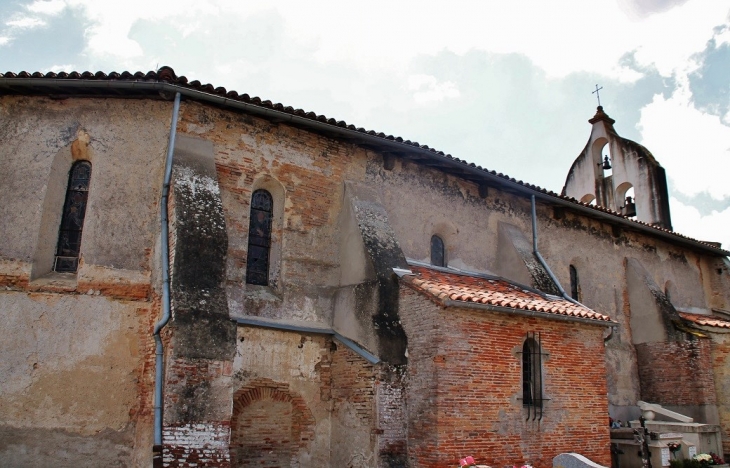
437 251
72 220
532 375
259 238
574 283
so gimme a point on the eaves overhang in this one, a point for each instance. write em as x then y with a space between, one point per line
385 144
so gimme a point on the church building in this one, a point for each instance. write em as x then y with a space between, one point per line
193 277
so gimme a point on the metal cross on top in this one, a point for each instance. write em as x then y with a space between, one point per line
598 95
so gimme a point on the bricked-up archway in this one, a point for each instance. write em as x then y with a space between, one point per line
269 426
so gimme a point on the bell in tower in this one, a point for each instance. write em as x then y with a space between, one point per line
620 175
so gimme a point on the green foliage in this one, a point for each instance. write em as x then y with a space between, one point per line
676 464
691 463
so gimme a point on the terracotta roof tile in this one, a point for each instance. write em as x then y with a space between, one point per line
167 75
705 320
458 286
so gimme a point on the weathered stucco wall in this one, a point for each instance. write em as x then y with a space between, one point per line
125 142
420 202
299 366
74 378
305 175
324 271
76 368
426 199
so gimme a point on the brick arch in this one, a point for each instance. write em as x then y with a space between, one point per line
269 421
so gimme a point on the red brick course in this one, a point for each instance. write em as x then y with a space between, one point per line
464 388
270 424
676 372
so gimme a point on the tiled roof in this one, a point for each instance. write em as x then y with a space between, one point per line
444 286
167 75
705 320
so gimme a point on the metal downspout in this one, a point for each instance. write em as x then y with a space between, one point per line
165 254
547 268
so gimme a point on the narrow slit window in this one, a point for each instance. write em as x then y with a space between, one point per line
437 251
259 238
574 283
532 376
68 248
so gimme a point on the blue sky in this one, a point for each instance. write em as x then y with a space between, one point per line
506 85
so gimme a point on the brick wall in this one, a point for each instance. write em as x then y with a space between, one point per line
420 320
270 425
352 388
196 426
392 425
309 168
196 445
676 372
464 388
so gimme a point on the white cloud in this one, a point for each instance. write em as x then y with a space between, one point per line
25 23
694 147
60 68
561 37
625 74
723 37
687 220
4 40
47 7
106 40
427 88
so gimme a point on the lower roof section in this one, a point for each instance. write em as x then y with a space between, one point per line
453 288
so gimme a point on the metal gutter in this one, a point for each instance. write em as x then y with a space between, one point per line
258 322
362 352
263 323
165 257
527 313
347 133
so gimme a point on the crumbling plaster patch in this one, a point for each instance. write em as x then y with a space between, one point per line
76 369
295 360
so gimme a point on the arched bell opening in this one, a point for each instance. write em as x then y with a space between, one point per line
626 200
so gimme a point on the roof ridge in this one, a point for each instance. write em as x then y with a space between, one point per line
167 75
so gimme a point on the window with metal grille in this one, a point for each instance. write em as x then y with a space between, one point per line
259 238
72 220
532 397
574 283
437 251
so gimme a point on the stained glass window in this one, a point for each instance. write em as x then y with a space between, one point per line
437 251
72 220
259 238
